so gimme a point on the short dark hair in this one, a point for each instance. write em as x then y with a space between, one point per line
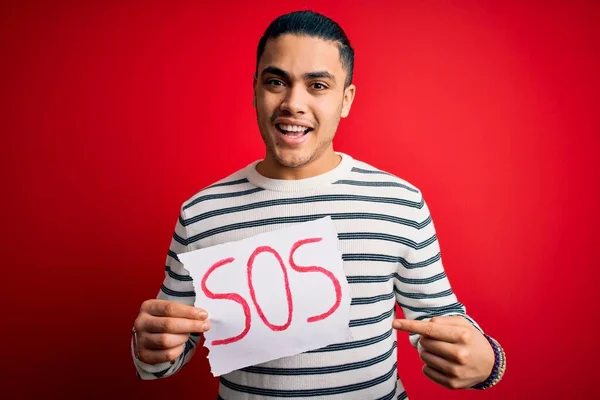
310 23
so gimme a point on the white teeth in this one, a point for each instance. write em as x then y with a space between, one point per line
292 128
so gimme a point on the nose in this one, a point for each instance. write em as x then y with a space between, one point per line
294 100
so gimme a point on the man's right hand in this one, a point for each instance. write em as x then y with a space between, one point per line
164 326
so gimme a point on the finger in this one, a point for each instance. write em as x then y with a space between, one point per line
153 357
444 332
437 377
440 364
451 320
172 325
161 341
165 308
450 351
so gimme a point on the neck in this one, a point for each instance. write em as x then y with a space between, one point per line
271 168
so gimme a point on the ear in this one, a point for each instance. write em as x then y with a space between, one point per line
254 92
349 94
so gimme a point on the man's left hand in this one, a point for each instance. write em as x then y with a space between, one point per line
455 353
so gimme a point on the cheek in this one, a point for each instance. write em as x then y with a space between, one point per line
329 117
266 106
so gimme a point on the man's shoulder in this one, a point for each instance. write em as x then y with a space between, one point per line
231 185
364 173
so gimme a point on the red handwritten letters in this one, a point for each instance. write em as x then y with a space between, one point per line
288 292
228 296
336 283
236 297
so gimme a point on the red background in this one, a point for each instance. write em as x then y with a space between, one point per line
115 112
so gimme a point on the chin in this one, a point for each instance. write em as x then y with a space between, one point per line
292 160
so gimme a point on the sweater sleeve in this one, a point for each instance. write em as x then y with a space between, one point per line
421 286
176 286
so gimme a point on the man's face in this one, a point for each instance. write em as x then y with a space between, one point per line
299 97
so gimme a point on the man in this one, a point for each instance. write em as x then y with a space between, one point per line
302 88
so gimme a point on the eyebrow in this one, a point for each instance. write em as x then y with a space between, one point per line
308 75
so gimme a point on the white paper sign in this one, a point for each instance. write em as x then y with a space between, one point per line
272 295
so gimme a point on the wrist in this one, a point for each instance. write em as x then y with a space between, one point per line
498 368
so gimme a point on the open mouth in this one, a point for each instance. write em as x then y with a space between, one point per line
293 130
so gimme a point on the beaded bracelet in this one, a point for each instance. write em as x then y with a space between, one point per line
499 366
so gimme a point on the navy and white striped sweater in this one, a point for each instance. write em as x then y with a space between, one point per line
391 256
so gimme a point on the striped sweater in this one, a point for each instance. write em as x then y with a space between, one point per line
391 257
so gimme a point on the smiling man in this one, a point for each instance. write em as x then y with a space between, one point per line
302 89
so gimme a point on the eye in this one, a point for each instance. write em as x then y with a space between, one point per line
275 82
319 86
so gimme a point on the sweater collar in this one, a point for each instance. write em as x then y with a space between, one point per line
299 185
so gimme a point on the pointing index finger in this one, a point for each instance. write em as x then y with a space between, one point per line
443 332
